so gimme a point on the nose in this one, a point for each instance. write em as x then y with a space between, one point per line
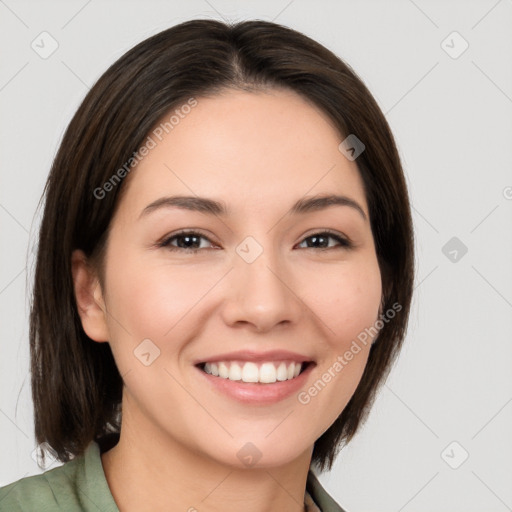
261 293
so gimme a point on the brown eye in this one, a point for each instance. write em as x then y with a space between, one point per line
189 241
321 241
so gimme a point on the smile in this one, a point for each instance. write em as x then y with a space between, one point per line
248 371
255 383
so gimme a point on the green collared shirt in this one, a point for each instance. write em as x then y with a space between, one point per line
80 486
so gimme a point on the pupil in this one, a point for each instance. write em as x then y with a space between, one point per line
316 239
188 239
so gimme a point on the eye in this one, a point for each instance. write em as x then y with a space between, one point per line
321 241
188 241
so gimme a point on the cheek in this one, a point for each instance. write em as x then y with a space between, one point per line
149 300
347 303
154 300
346 299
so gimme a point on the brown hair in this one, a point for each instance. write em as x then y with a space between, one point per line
76 387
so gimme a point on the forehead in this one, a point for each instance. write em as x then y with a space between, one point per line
252 150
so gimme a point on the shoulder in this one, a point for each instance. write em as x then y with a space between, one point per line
77 485
51 490
25 494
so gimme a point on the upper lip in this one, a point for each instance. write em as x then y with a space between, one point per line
249 355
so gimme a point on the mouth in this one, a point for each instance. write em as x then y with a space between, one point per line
255 377
252 372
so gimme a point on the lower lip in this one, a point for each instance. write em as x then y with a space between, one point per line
255 393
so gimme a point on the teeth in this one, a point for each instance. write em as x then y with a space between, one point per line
223 370
282 372
249 372
266 373
235 372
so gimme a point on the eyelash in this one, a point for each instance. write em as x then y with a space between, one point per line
343 242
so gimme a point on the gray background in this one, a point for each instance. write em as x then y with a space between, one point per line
453 125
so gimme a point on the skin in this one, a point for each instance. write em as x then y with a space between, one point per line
258 152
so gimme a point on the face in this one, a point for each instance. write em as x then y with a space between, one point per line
254 288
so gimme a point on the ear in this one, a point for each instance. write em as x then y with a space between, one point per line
89 298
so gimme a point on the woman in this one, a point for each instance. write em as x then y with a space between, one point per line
223 279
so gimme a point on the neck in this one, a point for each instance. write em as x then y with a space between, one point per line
148 470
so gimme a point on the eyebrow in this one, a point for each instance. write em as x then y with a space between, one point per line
212 207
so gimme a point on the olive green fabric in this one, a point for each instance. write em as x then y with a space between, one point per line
80 486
